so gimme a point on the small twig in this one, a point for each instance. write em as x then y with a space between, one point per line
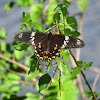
79 80
50 82
97 70
94 84
78 56
59 81
21 81
84 76
14 62
50 28
96 17
19 64
95 81
20 74
57 26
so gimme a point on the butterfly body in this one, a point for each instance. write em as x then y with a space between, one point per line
48 45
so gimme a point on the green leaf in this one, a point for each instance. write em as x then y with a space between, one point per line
64 11
31 51
75 71
71 33
24 3
4 88
56 16
39 27
87 65
27 61
13 76
9 83
80 63
29 24
7 54
50 12
69 91
36 72
75 34
66 69
3 63
65 55
68 32
31 96
84 65
9 5
16 88
63 5
88 93
36 11
18 54
69 0
5 96
28 78
82 5
21 46
33 64
72 21
3 33
97 94
36 8
26 17
2 46
43 81
23 27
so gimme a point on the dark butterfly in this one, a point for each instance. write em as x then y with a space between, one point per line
48 45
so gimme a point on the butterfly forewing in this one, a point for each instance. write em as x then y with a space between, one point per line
23 37
72 42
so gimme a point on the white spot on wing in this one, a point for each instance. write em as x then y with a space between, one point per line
66 38
64 45
78 42
32 38
33 34
33 43
20 35
65 42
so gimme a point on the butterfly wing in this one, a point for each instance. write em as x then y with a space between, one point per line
30 37
48 45
72 42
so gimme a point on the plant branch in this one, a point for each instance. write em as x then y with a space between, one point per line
20 65
78 56
50 82
83 76
14 62
21 81
94 84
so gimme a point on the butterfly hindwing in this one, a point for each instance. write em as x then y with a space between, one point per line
49 47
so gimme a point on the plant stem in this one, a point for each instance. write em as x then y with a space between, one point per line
83 76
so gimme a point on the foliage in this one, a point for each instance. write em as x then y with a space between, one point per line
11 70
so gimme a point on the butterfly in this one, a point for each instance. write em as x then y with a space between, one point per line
48 45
